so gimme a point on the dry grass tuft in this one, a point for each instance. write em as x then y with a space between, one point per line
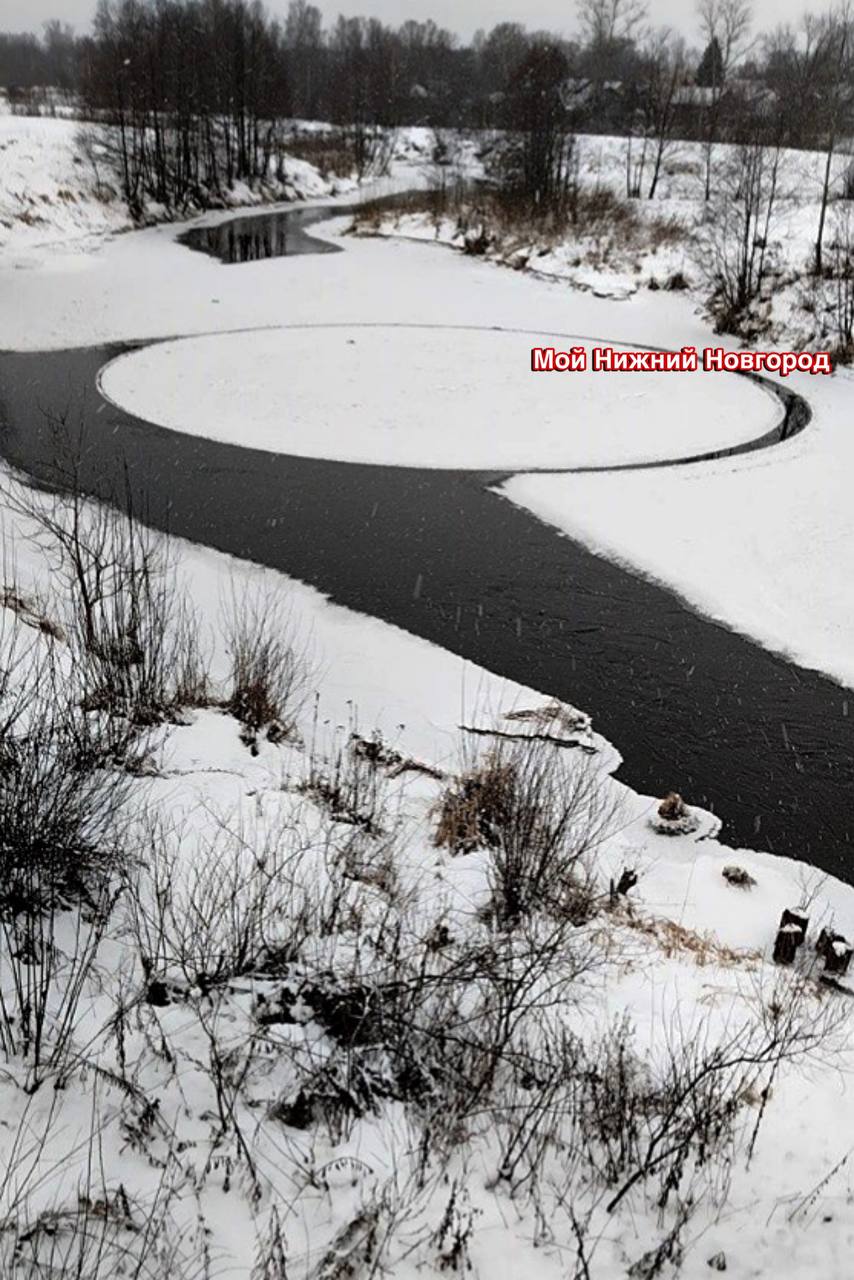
330 153
604 227
30 612
473 809
674 939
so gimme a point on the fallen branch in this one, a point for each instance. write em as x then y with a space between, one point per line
528 737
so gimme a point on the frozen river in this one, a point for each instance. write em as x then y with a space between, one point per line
690 705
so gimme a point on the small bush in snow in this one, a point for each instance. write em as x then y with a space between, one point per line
541 812
269 674
134 636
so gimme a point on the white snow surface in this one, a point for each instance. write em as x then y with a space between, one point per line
428 397
695 957
745 538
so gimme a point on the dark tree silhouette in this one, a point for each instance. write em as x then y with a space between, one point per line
710 72
538 160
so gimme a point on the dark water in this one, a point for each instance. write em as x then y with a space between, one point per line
767 745
277 234
258 236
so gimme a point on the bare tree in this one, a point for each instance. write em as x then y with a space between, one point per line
538 160
498 55
725 25
834 98
305 52
195 91
841 271
606 21
609 30
654 98
810 73
736 246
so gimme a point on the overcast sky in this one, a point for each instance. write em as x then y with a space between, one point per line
462 16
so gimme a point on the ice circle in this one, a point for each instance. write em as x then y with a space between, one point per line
427 397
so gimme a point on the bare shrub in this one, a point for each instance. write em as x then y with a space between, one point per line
372 148
330 151
541 811
359 149
694 1110
269 673
352 780
46 960
101 1233
734 248
497 221
443 199
244 903
61 796
840 283
62 849
589 1120
134 634
192 685
433 1019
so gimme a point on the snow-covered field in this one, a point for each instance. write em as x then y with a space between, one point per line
233 1113
668 242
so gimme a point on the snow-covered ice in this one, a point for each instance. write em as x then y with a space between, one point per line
763 542
428 397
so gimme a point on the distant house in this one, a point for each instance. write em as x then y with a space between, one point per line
602 99
692 101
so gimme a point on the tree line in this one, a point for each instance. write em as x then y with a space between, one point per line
200 92
28 61
618 70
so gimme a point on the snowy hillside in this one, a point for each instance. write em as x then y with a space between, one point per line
51 190
58 186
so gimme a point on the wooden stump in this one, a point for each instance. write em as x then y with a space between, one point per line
788 939
823 941
672 807
627 880
795 917
790 935
837 956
